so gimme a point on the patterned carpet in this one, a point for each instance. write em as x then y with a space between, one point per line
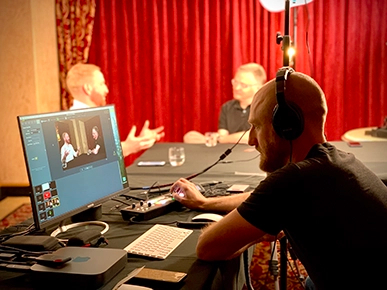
259 270
260 278
21 214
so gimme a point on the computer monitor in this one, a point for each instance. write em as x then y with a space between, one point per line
74 162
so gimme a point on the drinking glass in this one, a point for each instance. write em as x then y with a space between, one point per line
176 156
211 138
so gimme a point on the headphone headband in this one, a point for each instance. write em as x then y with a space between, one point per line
288 120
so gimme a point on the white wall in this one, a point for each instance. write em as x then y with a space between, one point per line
29 76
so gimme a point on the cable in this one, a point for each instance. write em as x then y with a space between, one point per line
121 201
29 229
224 155
148 191
132 220
235 161
297 275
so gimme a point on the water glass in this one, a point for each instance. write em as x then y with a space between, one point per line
211 138
176 156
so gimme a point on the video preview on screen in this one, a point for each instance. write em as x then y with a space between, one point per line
74 159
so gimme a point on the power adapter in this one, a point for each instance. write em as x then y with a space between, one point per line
87 238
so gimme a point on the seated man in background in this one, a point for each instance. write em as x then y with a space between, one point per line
331 207
233 118
86 83
67 152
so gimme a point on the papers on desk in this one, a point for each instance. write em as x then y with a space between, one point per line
121 285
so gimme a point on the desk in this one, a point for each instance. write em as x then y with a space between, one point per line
242 165
84 159
373 154
201 275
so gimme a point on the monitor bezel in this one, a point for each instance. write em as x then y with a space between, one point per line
55 221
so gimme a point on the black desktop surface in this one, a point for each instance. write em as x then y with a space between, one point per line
183 259
373 154
241 165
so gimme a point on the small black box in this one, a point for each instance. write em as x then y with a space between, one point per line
33 243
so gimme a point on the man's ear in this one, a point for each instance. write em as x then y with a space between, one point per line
87 89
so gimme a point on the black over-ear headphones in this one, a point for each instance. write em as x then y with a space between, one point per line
288 120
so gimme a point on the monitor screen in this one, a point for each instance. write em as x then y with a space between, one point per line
74 161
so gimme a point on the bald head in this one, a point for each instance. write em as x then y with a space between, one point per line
302 91
256 69
86 83
305 93
79 74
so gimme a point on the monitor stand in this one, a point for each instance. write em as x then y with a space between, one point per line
92 214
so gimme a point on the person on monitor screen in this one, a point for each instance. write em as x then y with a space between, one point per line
67 151
331 207
86 83
233 118
99 145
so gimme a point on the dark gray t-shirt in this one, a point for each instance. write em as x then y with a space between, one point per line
333 211
233 118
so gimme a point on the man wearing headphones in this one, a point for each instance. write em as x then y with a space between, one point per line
332 209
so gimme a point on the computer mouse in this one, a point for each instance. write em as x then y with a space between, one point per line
207 217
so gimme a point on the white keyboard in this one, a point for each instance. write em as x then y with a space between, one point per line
158 242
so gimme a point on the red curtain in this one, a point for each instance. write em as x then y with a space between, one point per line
74 20
171 61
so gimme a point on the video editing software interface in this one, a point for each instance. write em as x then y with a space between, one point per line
74 161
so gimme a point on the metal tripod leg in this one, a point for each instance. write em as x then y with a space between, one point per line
273 249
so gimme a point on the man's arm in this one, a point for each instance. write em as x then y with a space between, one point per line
156 133
64 154
73 152
227 238
225 137
145 140
233 232
187 194
96 149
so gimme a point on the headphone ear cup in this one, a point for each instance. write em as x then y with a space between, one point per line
288 121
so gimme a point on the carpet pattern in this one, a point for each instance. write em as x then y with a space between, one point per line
21 214
259 269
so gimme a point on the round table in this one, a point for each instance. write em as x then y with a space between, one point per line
359 135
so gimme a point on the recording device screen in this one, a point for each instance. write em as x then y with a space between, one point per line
74 161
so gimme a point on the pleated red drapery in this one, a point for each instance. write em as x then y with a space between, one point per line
171 61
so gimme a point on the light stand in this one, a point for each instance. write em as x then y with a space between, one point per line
285 39
273 264
277 6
